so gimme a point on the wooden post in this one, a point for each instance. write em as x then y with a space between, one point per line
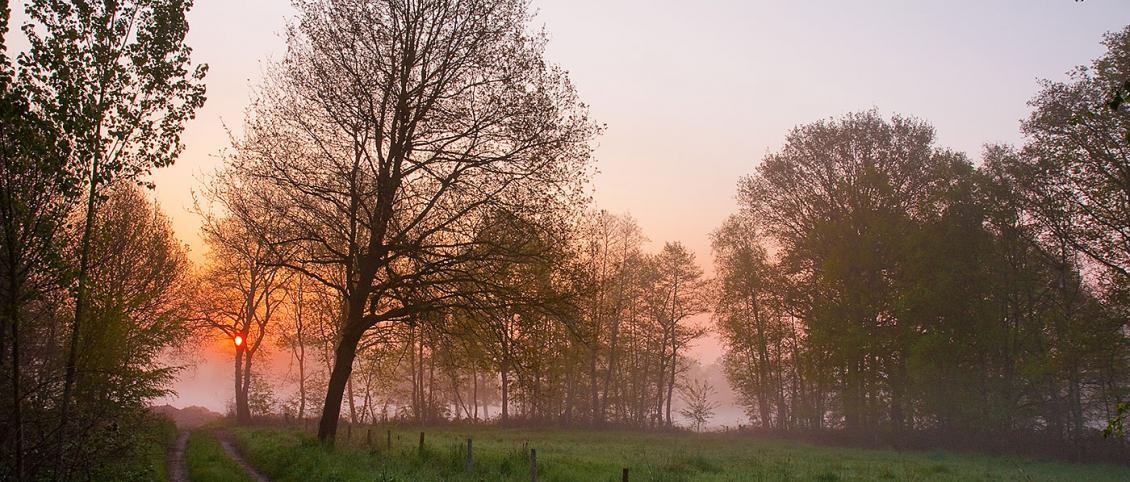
369 437
390 439
349 432
533 465
624 475
421 442
470 457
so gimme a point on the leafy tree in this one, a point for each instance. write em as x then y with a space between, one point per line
1073 170
35 199
748 310
113 78
676 292
838 199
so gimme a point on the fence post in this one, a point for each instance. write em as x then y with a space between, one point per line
369 437
470 457
533 465
390 439
421 442
624 476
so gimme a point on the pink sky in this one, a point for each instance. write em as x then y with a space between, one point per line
695 93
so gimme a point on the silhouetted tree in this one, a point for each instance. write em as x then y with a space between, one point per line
385 158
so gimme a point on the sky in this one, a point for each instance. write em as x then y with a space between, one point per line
694 94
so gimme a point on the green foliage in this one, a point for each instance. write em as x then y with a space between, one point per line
114 79
928 296
99 98
1117 425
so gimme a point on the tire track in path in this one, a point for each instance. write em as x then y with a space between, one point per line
174 460
227 441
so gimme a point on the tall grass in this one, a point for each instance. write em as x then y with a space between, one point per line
502 454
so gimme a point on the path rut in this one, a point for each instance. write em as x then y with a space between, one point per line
227 441
178 470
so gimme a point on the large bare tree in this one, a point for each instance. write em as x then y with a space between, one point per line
388 131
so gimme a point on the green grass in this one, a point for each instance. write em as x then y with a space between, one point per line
207 461
500 454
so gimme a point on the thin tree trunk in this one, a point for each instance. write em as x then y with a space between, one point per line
71 369
505 394
17 402
674 371
352 407
301 377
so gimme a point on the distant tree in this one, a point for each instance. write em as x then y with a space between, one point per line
385 159
749 313
297 335
610 253
244 285
676 292
839 200
1073 170
114 80
700 408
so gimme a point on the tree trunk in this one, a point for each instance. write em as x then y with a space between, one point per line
242 410
352 407
593 383
301 378
335 389
71 369
674 371
505 394
17 402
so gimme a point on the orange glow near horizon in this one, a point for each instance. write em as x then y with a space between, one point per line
238 341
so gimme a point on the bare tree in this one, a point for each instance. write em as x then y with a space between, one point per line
700 408
387 131
244 284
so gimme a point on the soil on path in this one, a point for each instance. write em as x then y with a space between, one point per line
177 469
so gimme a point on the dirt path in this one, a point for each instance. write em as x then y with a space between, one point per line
227 441
178 471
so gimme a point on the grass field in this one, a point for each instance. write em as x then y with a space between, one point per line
500 454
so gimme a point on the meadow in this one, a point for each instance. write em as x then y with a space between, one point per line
565 455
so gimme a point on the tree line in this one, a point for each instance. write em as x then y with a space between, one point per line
878 284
